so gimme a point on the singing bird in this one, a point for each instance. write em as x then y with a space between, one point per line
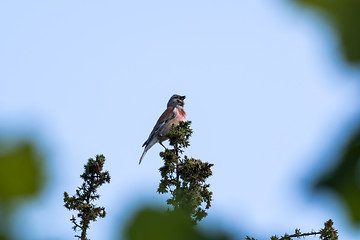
173 114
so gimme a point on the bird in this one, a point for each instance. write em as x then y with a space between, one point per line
173 114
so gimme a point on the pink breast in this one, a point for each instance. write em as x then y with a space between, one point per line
181 114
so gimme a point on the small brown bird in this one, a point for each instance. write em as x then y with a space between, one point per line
172 115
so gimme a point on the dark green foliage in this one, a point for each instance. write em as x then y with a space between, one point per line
157 224
22 177
184 178
21 172
344 178
179 135
329 232
345 18
82 201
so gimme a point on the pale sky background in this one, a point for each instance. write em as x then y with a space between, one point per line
267 94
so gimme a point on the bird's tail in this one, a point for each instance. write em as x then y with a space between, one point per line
148 146
143 155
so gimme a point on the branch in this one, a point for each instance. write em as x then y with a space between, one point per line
326 233
184 178
86 194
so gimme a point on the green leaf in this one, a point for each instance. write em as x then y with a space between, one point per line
21 171
345 18
157 224
344 179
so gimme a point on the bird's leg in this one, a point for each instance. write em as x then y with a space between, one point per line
163 145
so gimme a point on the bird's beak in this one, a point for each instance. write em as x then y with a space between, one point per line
182 97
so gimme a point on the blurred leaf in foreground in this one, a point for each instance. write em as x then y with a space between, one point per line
344 15
158 224
344 180
21 172
21 177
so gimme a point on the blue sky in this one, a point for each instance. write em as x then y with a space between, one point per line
266 93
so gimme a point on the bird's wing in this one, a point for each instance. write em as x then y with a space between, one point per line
167 115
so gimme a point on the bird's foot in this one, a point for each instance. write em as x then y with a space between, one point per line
163 145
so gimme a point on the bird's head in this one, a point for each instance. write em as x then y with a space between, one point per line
176 100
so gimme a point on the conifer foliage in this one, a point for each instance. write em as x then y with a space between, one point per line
83 200
183 177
